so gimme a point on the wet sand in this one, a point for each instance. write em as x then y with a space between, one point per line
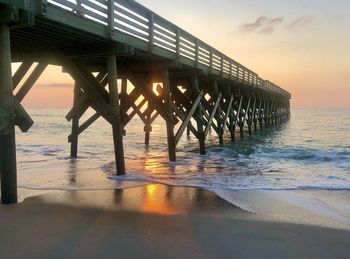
155 221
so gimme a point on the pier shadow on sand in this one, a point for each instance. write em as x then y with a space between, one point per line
155 221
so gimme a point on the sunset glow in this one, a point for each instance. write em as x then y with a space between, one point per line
299 45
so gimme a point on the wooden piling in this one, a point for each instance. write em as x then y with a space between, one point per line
8 169
230 116
148 126
219 122
169 124
233 129
114 102
266 116
256 116
274 113
188 132
250 118
75 125
200 126
236 120
262 116
244 119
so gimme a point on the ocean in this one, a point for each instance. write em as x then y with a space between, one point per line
298 171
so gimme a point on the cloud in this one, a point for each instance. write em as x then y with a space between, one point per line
263 24
299 23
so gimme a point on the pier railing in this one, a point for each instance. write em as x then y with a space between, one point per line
129 17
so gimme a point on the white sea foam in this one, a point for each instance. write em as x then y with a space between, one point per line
298 207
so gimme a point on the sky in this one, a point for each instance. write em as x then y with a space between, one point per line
301 45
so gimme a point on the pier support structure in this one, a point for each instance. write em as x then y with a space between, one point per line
114 103
169 124
200 86
199 115
148 125
75 125
8 168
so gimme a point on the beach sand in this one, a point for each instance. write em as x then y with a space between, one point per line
155 221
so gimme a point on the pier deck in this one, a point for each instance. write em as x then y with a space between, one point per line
97 42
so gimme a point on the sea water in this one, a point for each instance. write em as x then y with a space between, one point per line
303 163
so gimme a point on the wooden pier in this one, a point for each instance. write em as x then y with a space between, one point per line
99 42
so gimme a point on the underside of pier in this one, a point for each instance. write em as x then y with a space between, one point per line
161 69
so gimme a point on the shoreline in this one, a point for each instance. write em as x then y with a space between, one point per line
155 221
325 208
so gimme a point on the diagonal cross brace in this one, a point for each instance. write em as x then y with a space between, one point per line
210 121
188 117
20 73
229 109
151 97
97 115
182 115
207 114
22 118
28 84
246 111
84 103
239 109
97 95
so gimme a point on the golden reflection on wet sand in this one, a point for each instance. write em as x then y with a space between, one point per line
154 198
